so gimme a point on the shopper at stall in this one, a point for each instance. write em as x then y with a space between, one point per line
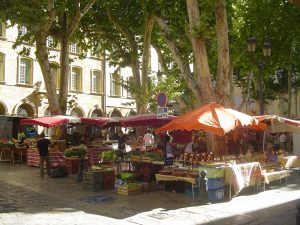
85 139
189 147
21 136
43 145
148 140
282 141
122 139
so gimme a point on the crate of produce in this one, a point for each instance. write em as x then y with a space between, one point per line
146 159
216 183
136 158
216 195
130 189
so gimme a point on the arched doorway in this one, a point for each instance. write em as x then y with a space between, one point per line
3 108
25 110
114 129
96 113
77 112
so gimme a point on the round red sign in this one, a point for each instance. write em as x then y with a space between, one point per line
162 99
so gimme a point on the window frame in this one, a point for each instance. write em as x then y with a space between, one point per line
113 85
57 75
2 30
74 48
30 71
100 82
79 79
2 67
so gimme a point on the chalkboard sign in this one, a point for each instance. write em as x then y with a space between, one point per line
169 161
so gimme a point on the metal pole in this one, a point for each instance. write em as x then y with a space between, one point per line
261 90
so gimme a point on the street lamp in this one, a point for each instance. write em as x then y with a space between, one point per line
251 42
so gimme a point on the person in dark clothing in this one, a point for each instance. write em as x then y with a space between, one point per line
122 141
43 145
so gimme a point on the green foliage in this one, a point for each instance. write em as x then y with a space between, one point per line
76 152
110 155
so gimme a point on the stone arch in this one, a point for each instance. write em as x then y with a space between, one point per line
3 108
116 113
96 113
77 112
131 113
25 109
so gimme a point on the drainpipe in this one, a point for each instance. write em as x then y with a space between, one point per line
104 82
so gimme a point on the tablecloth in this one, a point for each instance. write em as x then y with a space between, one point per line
289 161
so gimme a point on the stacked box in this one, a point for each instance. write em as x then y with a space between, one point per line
92 180
216 195
72 165
216 183
125 190
108 180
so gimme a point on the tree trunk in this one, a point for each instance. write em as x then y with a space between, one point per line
222 87
201 66
64 69
182 65
42 56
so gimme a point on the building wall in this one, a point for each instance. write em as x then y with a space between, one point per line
12 95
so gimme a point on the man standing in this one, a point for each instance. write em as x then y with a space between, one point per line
148 140
43 145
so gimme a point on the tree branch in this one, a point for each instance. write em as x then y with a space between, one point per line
79 16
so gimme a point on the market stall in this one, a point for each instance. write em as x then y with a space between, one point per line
220 121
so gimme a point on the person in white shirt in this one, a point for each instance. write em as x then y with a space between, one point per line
282 141
189 147
148 139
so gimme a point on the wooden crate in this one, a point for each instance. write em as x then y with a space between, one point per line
125 190
136 158
147 159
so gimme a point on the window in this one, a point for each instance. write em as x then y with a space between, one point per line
75 79
25 71
97 82
1 67
2 29
22 30
115 88
55 74
51 42
74 48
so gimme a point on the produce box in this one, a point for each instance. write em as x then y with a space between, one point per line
158 162
136 158
130 189
146 159
216 195
215 183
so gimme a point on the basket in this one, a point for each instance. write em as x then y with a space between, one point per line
125 190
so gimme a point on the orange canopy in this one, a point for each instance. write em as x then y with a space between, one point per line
214 118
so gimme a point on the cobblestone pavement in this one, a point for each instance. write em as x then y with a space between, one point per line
27 199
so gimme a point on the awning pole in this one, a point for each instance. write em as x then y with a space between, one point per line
264 139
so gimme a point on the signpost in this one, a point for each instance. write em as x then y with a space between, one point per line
162 101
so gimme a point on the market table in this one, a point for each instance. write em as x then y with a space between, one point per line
289 161
240 176
275 175
193 181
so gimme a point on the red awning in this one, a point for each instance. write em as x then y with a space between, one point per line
145 120
50 121
98 120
